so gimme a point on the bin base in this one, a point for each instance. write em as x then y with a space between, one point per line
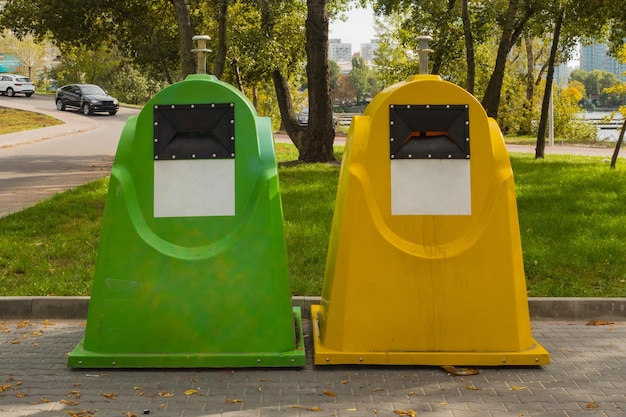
537 355
81 358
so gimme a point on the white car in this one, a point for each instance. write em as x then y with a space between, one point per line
12 84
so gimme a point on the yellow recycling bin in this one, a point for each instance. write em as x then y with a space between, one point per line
425 260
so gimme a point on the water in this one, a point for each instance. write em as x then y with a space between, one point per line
609 132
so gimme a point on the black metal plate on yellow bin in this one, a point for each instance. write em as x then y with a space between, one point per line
429 131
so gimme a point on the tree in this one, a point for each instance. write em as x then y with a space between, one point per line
30 52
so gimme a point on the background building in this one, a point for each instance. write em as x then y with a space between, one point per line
339 52
596 56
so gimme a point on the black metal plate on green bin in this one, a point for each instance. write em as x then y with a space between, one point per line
194 131
429 131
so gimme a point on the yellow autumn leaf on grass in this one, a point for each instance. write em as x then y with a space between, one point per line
191 391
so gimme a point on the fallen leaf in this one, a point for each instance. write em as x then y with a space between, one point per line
592 406
137 388
74 393
329 394
165 394
315 409
410 413
21 394
130 414
233 401
472 387
378 389
44 400
68 402
37 333
516 388
5 387
344 381
294 406
460 371
191 391
15 342
410 393
111 396
22 324
599 323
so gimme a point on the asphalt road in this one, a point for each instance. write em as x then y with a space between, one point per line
39 163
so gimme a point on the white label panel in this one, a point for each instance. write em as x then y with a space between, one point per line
430 187
194 187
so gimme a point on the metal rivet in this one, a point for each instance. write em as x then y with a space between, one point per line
391 139
466 122
391 106
428 106
212 105
232 155
155 140
360 359
447 106
80 362
327 359
467 156
156 157
430 156
410 156
466 106
258 361
113 363
173 106
504 360
173 156
232 122
292 360
156 123
156 106
193 106
214 155
449 156
393 156
408 106
466 139
391 123
536 359
193 156
232 138
232 104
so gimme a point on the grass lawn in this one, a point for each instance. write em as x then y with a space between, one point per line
572 215
13 120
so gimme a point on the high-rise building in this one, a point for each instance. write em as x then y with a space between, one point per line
596 56
368 50
339 52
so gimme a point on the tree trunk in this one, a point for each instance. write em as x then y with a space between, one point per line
220 62
185 37
320 133
444 34
491 100
469 48
287 114
545 106
237 74
618 145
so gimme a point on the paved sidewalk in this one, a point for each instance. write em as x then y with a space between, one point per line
586 377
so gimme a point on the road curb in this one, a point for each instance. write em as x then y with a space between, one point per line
541 308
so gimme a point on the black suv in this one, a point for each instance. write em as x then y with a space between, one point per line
88 98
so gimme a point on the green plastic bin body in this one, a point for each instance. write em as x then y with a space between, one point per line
180 280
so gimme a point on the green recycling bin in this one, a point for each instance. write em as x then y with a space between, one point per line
192 266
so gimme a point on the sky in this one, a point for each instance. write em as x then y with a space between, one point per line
358 29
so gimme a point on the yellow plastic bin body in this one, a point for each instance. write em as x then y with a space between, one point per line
444 286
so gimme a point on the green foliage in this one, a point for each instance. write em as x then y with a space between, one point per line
598 86
363 80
